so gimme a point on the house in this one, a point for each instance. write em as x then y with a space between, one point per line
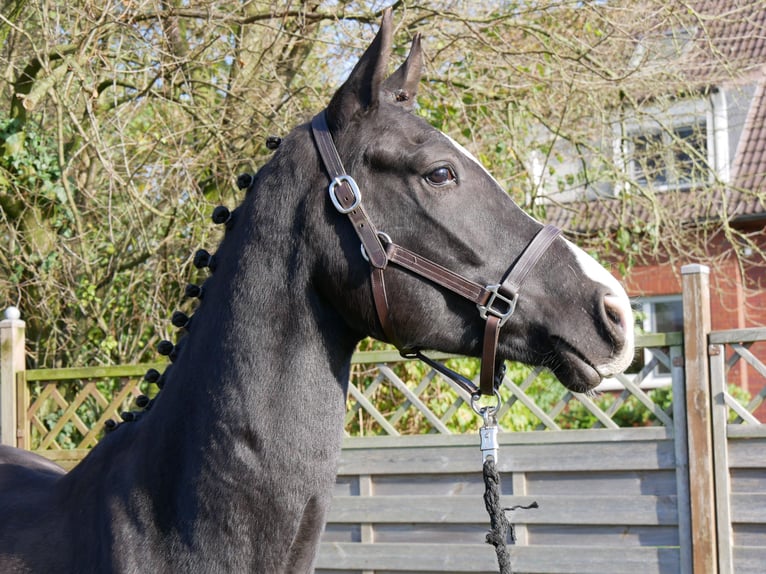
693 160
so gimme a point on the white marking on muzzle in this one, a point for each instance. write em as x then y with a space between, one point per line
618 300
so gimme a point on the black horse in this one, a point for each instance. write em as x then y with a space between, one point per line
232 468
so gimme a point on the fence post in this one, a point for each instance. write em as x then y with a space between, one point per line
11 362
695 283
720 412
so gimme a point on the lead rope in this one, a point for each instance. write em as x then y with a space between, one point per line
501 528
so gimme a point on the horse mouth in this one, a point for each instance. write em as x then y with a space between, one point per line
572 368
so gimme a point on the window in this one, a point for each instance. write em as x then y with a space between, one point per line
660 314
675 158
656 315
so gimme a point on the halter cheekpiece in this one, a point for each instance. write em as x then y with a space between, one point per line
496 303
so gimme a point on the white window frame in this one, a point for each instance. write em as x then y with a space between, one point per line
646 306
653 120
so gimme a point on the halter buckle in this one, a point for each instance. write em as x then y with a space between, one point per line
336 183
505 305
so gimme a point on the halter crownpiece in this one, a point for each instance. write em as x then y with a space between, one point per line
496 303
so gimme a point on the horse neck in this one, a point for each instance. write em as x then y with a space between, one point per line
256 394
258 350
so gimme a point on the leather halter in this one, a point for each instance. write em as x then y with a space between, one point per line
496 303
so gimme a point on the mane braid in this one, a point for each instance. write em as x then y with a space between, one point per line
221 215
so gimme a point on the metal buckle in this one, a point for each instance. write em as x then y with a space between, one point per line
502 314
337 182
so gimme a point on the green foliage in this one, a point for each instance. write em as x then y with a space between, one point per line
625 410
30 172
125 127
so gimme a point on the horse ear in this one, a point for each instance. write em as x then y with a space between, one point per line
402 86
361 90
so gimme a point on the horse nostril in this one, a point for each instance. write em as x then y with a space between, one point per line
616 314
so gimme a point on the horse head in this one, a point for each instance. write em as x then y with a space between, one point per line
420 190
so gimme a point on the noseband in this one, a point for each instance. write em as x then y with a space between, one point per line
496 303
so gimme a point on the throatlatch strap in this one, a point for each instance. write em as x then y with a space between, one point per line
380 297
489 356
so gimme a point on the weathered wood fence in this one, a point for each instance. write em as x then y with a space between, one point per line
685 492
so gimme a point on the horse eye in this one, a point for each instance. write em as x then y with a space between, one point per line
441 176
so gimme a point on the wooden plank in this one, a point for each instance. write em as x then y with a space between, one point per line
77 373
575 510
695 283
747 453
23 425
749 534
738 336
740 431
673 339
749 560
685 533
466 456
612 536
719 415
566 457
12 361
393 356
480 558
747 480
624 483
625 436
748 508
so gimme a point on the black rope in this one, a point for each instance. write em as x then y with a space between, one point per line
501 528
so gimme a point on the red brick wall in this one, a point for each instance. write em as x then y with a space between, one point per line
731 307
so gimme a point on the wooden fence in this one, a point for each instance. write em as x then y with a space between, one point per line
683 492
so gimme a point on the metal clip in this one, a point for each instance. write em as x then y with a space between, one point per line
489 446
488 432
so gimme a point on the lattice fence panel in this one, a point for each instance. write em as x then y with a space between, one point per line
71 413
407 397
744 392
388 395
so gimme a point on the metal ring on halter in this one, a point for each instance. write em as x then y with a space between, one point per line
489 411
386 239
